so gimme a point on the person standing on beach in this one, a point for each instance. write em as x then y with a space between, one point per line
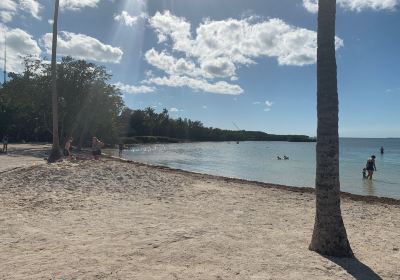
120 149
370 167
96 147
5 143
382 150
68 147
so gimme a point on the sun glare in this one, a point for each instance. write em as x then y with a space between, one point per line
128 32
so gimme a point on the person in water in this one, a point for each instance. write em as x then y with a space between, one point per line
370 167
382 150
364 173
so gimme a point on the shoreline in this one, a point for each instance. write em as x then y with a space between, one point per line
355 197
35 149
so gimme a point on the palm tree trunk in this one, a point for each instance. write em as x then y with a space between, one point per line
329 236
55 152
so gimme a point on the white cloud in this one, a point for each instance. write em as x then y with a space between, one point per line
356 5
8 8
19 44
128 20
167 24
256 102
311 5
31 6
8 5
77 5
218 48
269 103
359 5
82 47
239 41
173 110
50 21
212 68
219 67
220 87
6 16
134 89
172 65
204 107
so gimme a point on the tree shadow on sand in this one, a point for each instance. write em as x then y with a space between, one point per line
355 268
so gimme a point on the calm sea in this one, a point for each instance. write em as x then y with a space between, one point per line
257 161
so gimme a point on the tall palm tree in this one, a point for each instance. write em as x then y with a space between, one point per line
329 236
55 151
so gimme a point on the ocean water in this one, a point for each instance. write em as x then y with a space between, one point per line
257 161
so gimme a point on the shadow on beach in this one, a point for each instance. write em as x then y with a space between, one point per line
355 268
35 150
38 153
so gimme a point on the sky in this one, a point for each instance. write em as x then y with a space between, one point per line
228 63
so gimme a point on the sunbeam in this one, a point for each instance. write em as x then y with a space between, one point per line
130 38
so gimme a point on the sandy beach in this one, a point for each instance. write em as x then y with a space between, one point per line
117 220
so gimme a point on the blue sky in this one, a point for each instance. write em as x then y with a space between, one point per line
251 62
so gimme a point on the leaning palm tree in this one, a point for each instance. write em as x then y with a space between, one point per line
329 236
55 151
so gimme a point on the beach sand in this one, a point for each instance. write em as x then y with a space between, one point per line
115 220
22 155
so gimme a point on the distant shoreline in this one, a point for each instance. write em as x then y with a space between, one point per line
162 139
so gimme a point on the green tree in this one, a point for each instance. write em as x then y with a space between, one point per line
329 236
88 104
25 103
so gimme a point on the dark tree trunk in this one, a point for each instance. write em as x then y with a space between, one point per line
329 236
55 151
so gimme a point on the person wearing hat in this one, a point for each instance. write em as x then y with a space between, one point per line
370 167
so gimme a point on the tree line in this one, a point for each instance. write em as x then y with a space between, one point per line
89 105
135 124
